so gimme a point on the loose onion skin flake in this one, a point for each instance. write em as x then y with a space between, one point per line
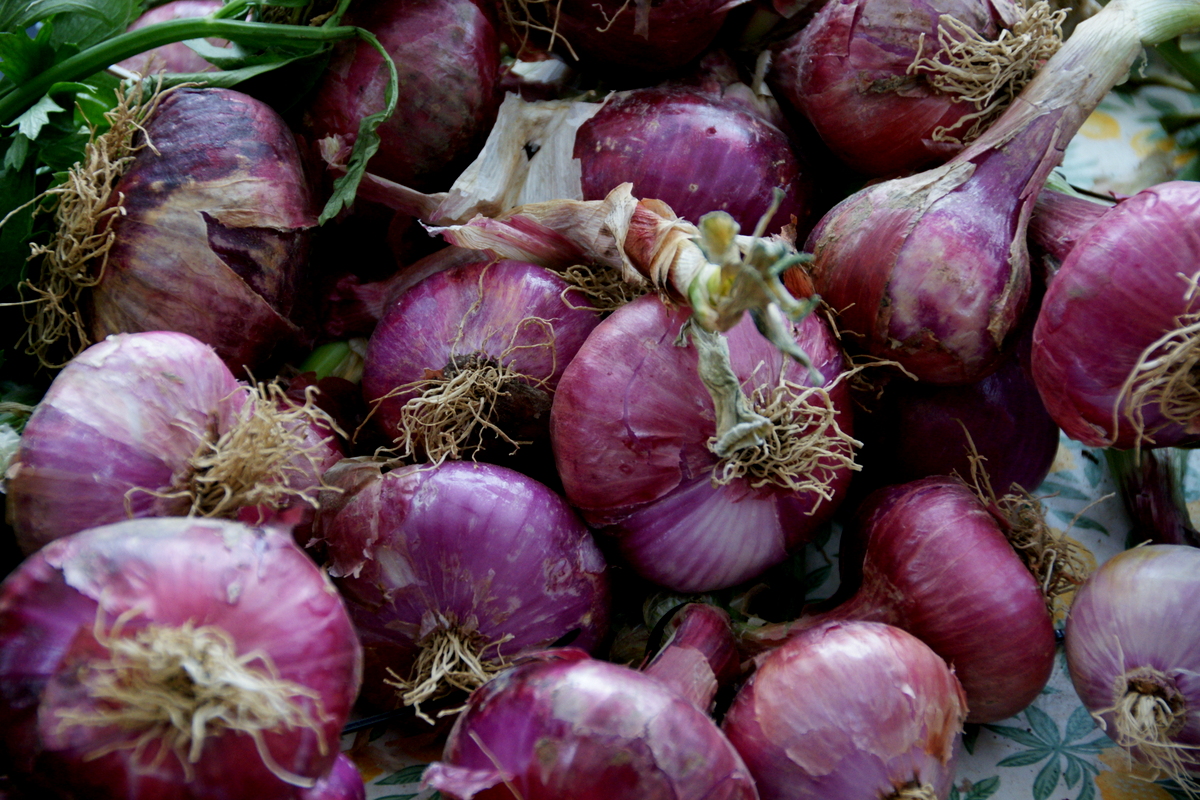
631 427
214 234
564 725
1130 384
937 564
171 659
849 710
155 424
472 563
1133 652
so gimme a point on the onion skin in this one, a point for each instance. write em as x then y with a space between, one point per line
215 232
342 782
937 565
1126 268
1137 611
565 725
728 158
414 547
630 425
177 56
847 70
879 710
699 657
255 584
447 54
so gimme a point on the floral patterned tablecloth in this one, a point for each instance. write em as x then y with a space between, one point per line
1053 749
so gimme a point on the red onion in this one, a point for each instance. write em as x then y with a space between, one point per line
880 716
632 426
342 782
174 659
1132 647
447 54
564 725
154 424
175 57
932 270
695 152
465 364
1059 221
850 71
699 656
463 559
936 563
1129 384
214 231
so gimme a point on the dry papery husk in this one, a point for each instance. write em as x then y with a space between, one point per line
254 462
914 791
174 688
85 212
1148 711
986 73
1058 563
451 658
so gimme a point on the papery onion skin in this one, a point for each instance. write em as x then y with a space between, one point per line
214 235
1123 285
696 153
569 726
477 546
177 56
447 54
938 566
118 427
254 584
848 710
1138 611
630 424
847 71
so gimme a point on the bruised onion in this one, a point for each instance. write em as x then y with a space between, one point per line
936 563
633 428
1132 650
1130 384
155 424
565 725
880 715
172 659
452 570
447 54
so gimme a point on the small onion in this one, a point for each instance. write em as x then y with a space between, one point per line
564 725
342 782
155 424
1133 653
172 659
632 424
879 715
461 559
177 56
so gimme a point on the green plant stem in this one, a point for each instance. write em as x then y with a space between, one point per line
1183 63
95 59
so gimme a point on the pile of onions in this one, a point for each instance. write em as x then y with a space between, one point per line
447 54
155 424
936 563
1132 650
451 571
174 658
879 715
565 725
633 429
1131 385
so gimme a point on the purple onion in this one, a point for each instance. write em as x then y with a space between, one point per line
472 550
1058 222
1125 295
879 713
564 725
1132 652
214 234
447 54
631 425
119 430
177 56
697 153
936 563
699 656
342 782
188 609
